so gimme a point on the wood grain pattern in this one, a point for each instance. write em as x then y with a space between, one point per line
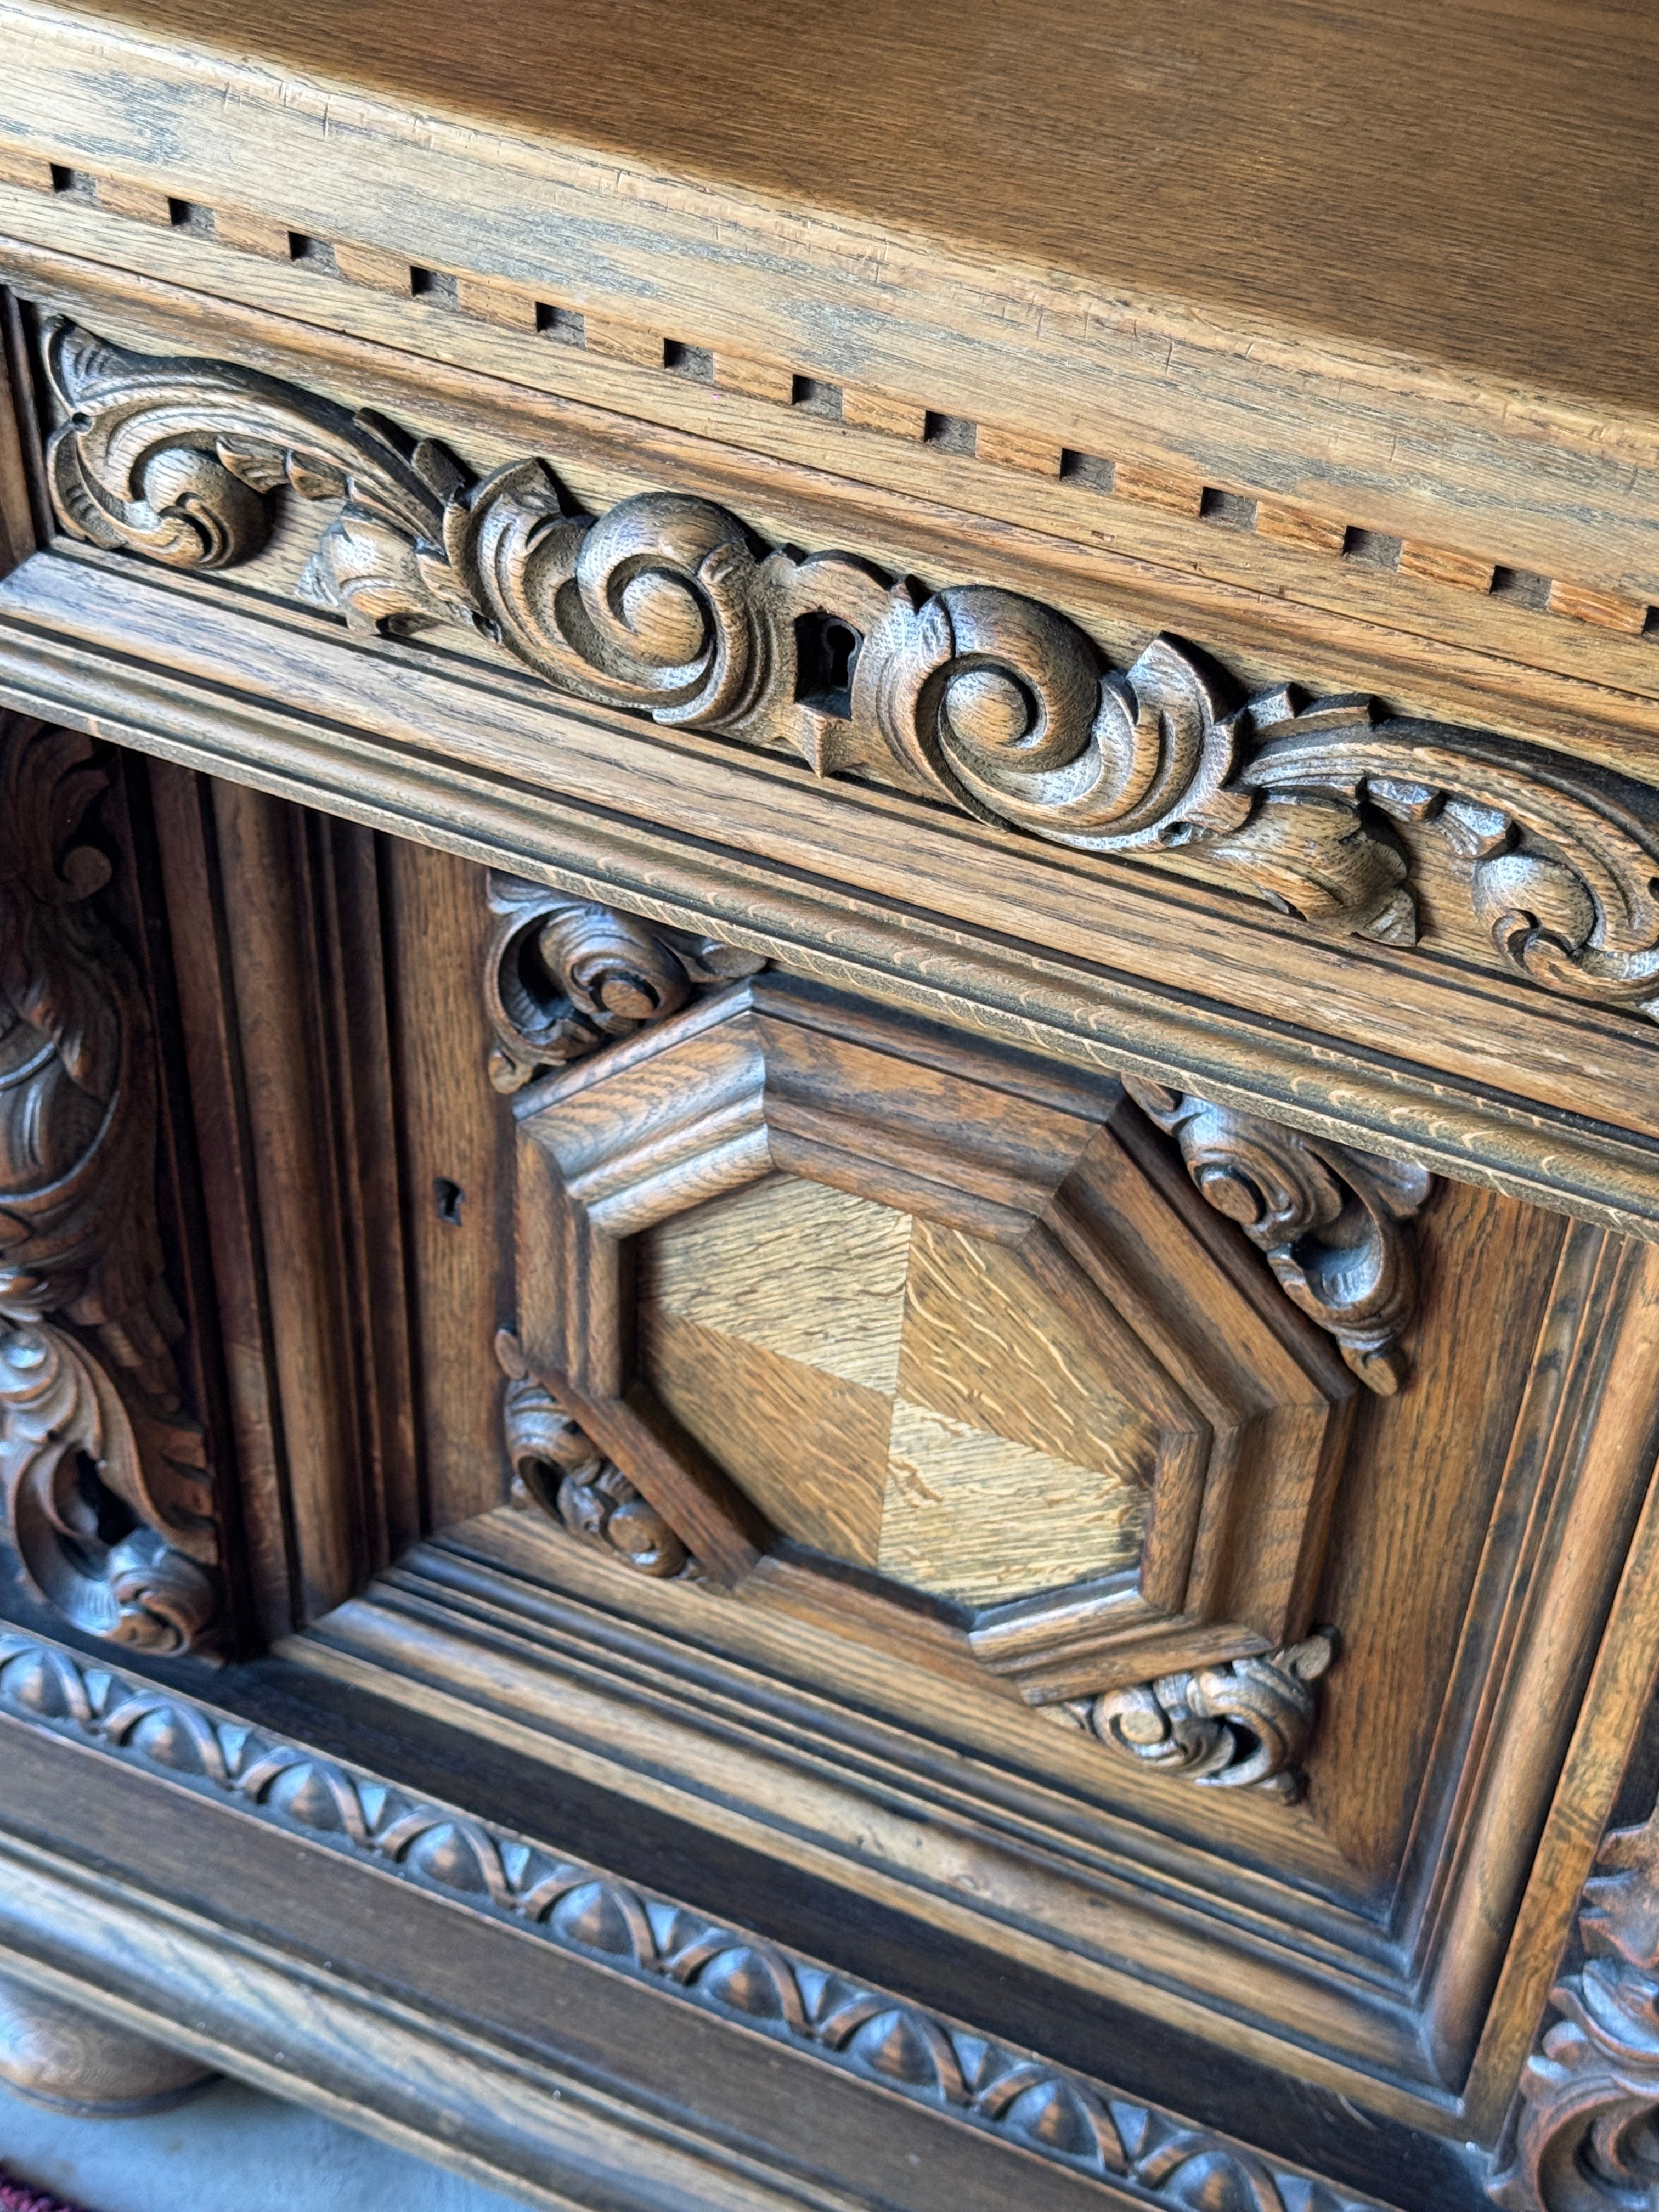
59 2054
107 1488
951 1428
633 205
1375 1091
1437 647
1234 1425
915 1286
456 1173
622 1997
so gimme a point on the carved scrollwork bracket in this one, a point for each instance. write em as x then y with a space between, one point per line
558 1467
978 698
1587 2135
1245 1725
565 976
102 1471
1335 1224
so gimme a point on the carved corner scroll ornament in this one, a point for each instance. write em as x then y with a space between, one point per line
558 1467
1587 2133
565 976
974 697
1335 1224
102 1474
1245 1725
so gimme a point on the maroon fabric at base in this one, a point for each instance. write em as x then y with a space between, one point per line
18 2196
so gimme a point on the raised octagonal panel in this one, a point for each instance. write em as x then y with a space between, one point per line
897 1393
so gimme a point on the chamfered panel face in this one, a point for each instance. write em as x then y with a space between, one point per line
899 1395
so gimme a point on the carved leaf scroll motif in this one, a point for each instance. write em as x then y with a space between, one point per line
566 976
1587 2134
102 1473
1333 1223
1245 1725
558 1468
976 697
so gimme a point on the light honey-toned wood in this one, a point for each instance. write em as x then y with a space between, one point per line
140 203
896 1393
810 1448
1606 609
1187 318
1018 449
983 1345
252 233
1437 564
513 309
374 266
1434 648
1284 524
813 1274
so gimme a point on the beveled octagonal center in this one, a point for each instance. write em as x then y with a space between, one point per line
899 1395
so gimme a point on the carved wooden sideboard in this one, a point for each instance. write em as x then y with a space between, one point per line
828 1161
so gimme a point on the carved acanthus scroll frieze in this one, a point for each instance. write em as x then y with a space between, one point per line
1243 1725
1587 2135
559 1468
1335 1224
565 976
102 1470
977 697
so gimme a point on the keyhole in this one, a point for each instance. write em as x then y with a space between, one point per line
448 1196
826 651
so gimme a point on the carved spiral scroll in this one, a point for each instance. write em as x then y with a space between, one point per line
565 976
102 1474
1333 1223
1245 1725
1587 2136
974 697
559 1469
86 1523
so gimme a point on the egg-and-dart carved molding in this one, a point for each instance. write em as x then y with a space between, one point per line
104 1488
973 696
1044 2109
1335 1224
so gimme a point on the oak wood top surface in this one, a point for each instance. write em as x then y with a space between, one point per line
1471 184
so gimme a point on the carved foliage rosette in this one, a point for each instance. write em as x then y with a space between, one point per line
979 698
104 1484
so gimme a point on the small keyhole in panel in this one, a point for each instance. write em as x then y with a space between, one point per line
448 1196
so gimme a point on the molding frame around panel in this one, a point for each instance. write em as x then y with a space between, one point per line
974 697
1043 2109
